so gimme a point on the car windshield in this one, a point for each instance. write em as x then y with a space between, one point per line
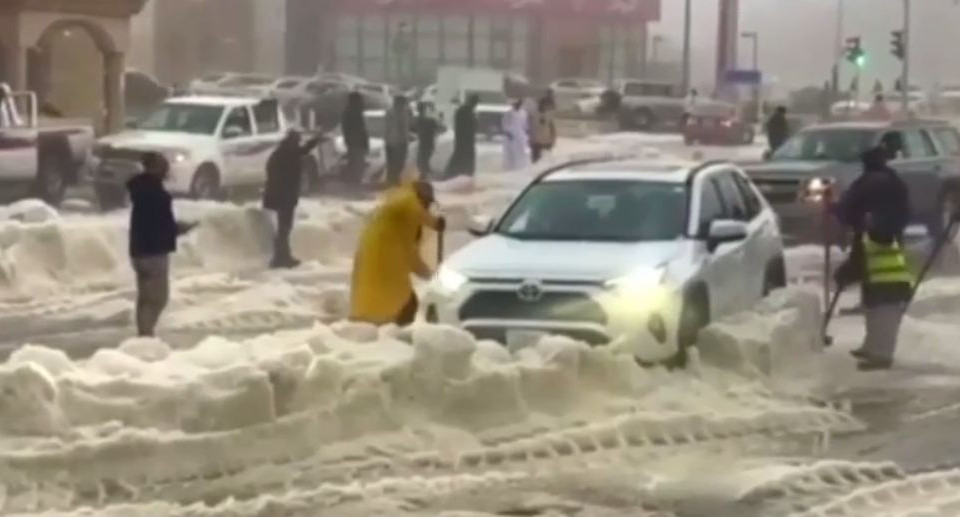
198 119
597 210
835 145
247 80
488 97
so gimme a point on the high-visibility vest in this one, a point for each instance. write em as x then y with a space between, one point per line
886 263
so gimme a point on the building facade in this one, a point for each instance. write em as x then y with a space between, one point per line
405 41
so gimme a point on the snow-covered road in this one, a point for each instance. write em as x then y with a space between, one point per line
257 400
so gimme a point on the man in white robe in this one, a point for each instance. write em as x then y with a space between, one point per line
515 130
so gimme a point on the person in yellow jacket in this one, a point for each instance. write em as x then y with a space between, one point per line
389 253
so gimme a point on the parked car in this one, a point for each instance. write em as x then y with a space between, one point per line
209 83
635 254
929 162
247 85
717 123
642 105
213 144
39 157
567 92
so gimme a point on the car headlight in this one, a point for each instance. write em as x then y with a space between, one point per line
178 156
450 281
815 190
637 291
638 280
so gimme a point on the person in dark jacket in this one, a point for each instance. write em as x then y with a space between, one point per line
877 209
153 237
778 128
282 192
355 138
464 158
427 128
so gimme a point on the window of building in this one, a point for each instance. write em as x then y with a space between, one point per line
482 34
456 40
348 37
374 39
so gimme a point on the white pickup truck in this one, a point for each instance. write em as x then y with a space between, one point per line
39 157
214 144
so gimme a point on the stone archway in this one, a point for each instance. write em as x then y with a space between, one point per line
34 27
67 68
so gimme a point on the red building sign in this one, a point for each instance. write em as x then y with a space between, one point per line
629 11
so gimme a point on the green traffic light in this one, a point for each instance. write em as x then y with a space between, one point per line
861 60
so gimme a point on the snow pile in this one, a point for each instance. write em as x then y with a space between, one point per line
778 338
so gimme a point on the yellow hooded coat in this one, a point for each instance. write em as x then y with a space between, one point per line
388 253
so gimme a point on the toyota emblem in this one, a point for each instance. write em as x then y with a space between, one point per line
530 291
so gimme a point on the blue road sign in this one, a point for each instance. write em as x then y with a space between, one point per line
746 77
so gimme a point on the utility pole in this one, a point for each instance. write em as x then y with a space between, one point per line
687 27
838 48
905 74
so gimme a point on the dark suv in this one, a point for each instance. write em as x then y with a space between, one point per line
928 160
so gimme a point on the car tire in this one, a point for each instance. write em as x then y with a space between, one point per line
694 316
775 276
206 183
52 168
644 119
310 182
110 197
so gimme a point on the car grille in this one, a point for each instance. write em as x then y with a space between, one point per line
552 306
499 334
779 190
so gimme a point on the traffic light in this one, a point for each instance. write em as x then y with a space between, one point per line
855 52
899 46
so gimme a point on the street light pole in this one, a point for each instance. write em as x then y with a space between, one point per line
754 37
687 22
905 74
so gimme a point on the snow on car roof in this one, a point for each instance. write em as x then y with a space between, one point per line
626 170
214 100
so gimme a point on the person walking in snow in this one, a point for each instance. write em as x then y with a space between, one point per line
281 193
777 128
876 207
153 237
381 290
396 138
355 137
464 158
427 128
515 130
543 129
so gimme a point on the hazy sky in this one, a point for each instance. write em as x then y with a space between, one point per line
798 37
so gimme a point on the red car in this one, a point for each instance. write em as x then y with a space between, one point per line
717 124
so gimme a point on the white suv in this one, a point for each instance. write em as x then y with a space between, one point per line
637 255
213 144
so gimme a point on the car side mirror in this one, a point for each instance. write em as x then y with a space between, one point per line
480 225
723 231
767 155
232 132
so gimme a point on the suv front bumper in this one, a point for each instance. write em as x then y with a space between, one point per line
643 324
